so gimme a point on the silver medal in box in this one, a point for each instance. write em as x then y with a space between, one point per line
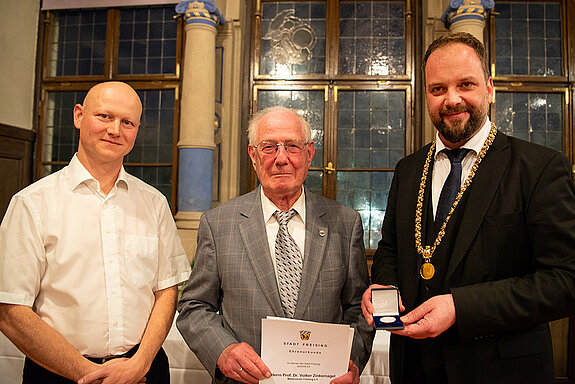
386 308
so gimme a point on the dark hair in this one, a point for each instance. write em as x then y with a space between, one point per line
460 38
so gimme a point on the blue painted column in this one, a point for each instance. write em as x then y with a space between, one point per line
197 123
467 16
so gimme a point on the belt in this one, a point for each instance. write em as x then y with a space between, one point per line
102 360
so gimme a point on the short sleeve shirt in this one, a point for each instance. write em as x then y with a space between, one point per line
88 263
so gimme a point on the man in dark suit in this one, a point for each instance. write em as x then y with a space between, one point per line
479 282
238 272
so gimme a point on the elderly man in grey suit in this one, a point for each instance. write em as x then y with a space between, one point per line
239 277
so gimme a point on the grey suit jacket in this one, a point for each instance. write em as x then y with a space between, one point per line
233 284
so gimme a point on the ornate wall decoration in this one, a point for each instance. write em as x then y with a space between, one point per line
292 40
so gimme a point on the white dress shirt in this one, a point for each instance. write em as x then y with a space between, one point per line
442 165
296 226
87 263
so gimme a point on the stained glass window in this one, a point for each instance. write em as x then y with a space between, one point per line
371 129
78 43
372 38
367 193
148 41
528 38
370 134
293 38
535 117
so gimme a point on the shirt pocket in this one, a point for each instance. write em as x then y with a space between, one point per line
141 258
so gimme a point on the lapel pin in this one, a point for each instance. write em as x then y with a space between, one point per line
321 232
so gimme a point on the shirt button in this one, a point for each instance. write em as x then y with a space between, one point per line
115 324
114 291
428 288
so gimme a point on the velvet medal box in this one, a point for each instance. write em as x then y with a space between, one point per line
386 308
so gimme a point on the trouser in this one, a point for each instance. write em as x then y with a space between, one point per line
424 363
159 372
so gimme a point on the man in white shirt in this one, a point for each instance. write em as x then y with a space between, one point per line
90 259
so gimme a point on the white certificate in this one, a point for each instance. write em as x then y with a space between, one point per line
299 351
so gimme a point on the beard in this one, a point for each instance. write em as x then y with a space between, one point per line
459 131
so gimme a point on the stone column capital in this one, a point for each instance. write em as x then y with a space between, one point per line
459 10
200 12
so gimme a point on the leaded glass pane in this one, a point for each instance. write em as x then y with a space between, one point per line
154 143
78 43
148 41
158 177
293 38
370 129
60 137
309 104
528 38
535 117
367 193
372 38
313 182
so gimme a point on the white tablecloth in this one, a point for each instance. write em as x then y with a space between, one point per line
11 361
185 368
377 368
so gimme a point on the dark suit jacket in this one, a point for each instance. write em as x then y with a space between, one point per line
233 284
512 266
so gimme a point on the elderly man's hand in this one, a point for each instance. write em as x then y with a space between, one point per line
367 306
240 362
430 319
351 377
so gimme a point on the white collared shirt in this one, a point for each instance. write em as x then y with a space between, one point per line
87 263
442 165
296 226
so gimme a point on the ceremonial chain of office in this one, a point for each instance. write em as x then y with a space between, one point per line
427 269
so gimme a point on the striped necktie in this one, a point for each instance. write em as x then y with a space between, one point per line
289 263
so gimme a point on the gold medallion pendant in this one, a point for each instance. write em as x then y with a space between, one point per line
427 270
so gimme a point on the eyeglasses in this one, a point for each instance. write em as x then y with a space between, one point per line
270 147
